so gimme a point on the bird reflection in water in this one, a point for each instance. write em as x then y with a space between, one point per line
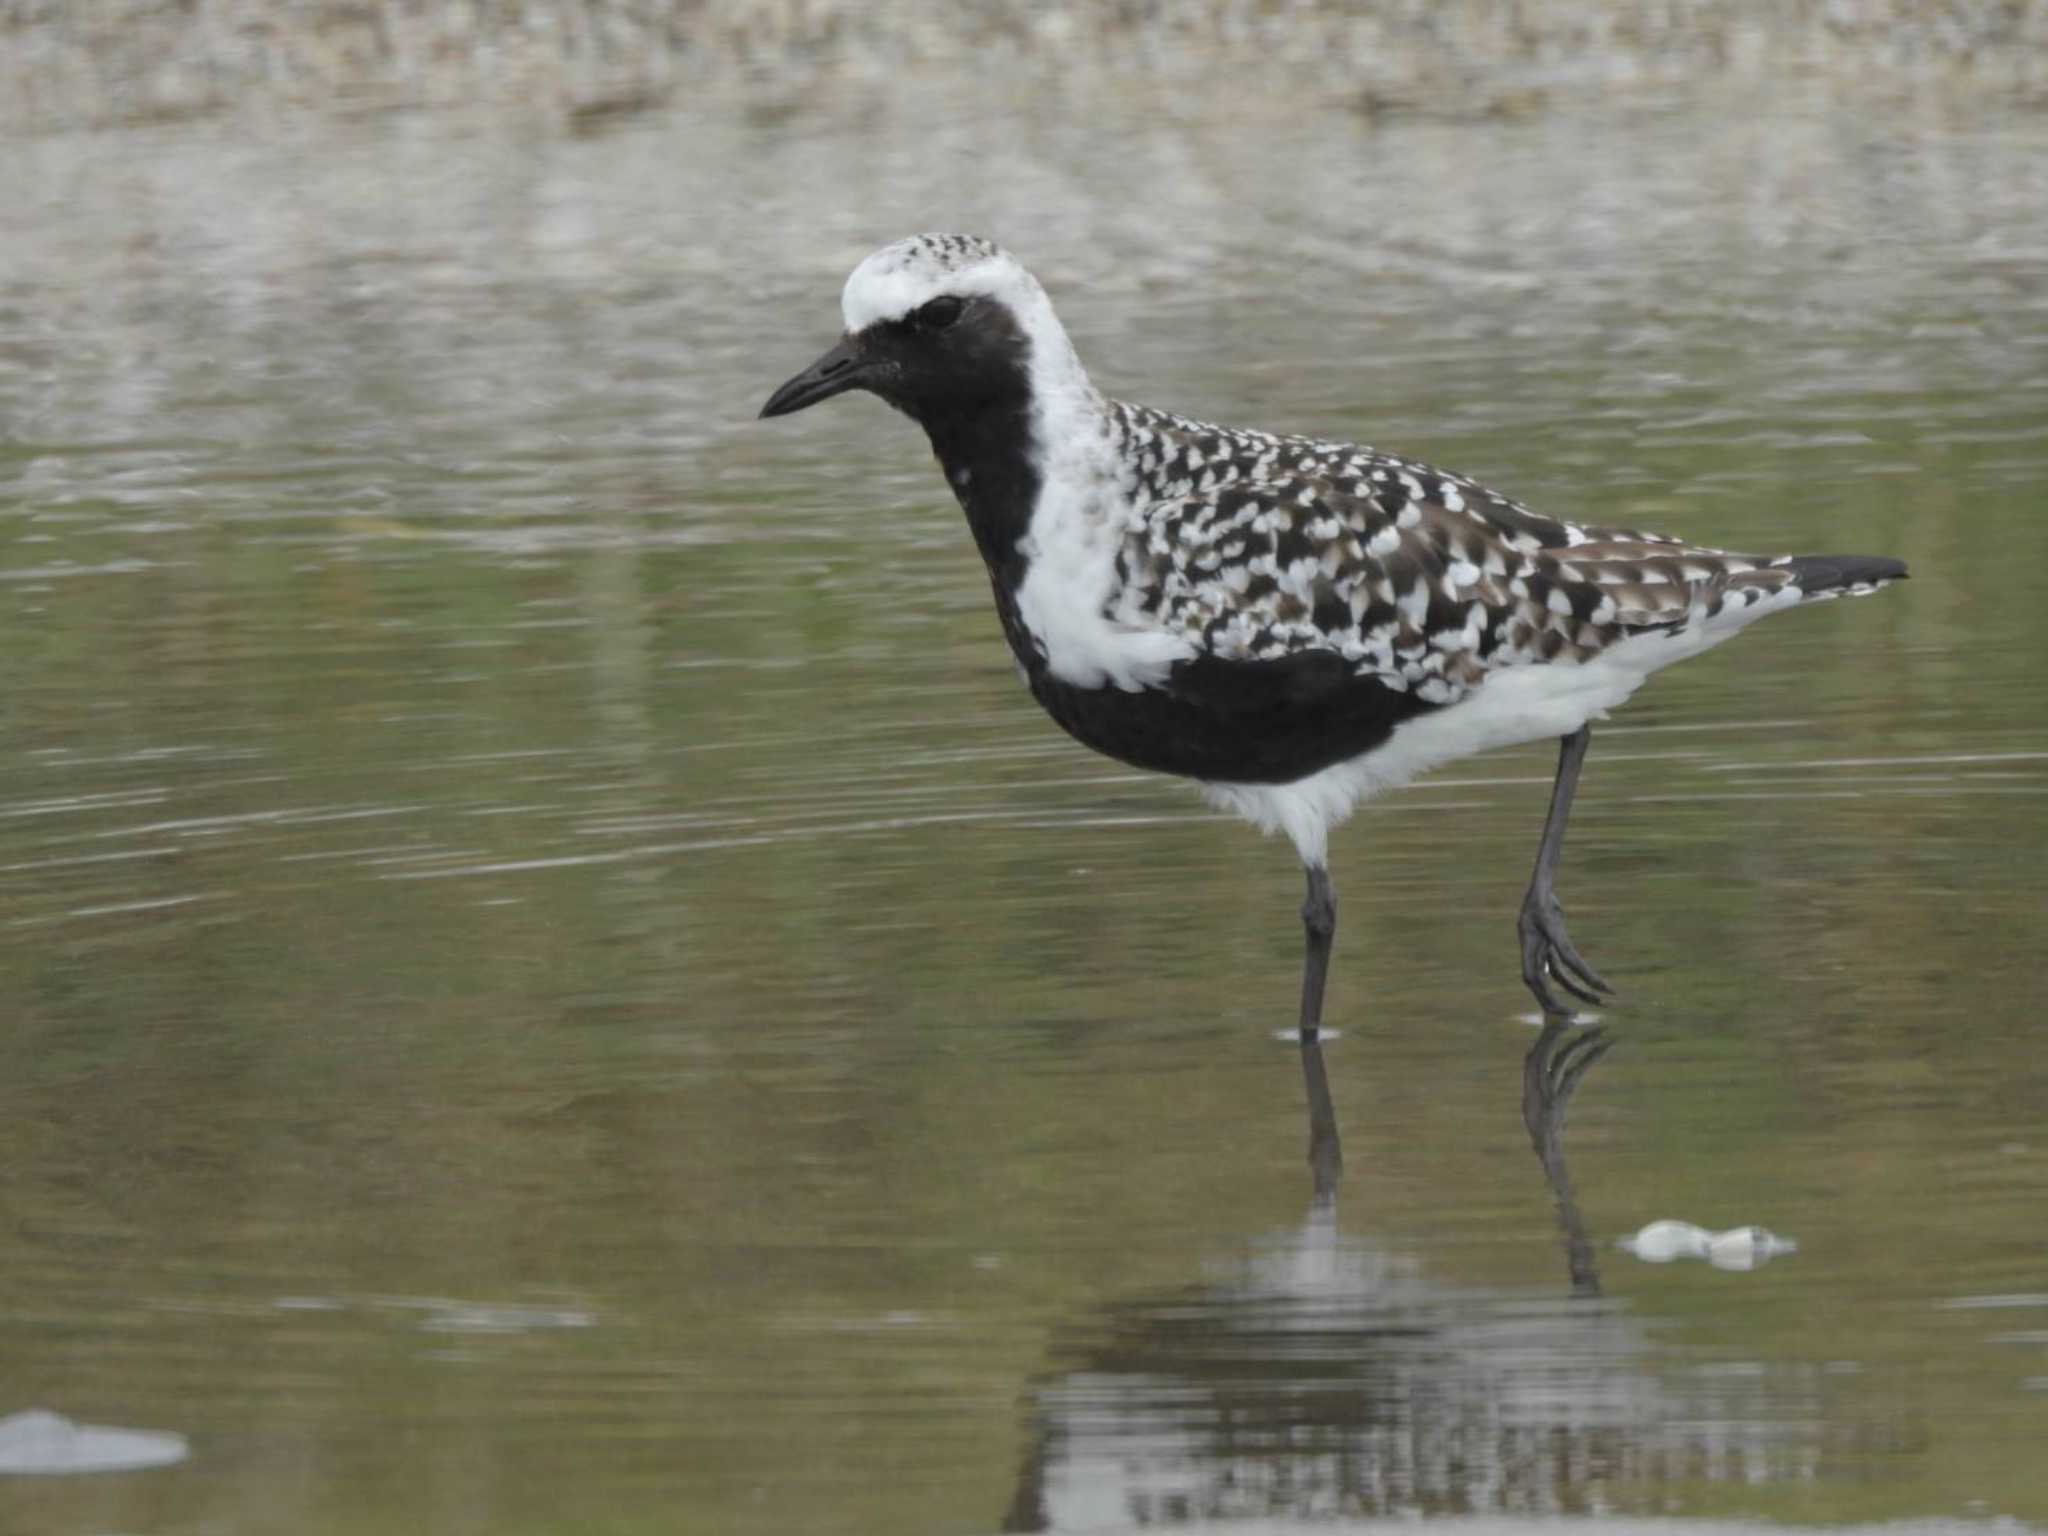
1327 1376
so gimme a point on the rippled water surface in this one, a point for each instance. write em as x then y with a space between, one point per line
554 981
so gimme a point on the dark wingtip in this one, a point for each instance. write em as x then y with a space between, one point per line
1827 573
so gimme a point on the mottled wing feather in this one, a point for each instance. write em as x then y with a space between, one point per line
1423 580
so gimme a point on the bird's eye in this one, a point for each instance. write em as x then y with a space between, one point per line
938 314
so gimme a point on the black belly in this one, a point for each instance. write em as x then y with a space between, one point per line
1239 722
1244 722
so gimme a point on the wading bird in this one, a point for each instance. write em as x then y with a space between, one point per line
1295 624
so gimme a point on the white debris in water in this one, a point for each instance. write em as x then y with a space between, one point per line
39 1442
1662 1241
1747 1248
1737 1248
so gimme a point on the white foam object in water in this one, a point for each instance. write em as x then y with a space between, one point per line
39 1442
1737 1248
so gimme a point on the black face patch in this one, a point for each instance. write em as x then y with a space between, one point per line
938 361
964 375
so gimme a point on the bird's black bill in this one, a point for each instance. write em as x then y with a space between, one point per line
839 370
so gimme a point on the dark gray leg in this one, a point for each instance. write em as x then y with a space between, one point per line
1319 921
1547 952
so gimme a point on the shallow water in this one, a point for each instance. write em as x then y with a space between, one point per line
554 981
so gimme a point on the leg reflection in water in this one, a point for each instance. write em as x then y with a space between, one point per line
1325 1148
1556 1064
1551 1072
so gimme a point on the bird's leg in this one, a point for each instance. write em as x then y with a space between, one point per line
1547 951
1319 922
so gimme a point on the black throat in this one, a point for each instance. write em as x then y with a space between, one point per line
969 386
984 447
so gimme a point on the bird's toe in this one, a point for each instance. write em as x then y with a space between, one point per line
1548 955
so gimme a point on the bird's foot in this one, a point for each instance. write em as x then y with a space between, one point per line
1548 955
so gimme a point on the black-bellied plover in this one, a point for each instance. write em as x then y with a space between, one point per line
1296 624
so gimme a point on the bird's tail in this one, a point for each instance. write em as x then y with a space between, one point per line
1820 576
1735 598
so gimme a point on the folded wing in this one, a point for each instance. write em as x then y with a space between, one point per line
1423 581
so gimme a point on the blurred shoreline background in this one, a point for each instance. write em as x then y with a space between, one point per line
67 66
